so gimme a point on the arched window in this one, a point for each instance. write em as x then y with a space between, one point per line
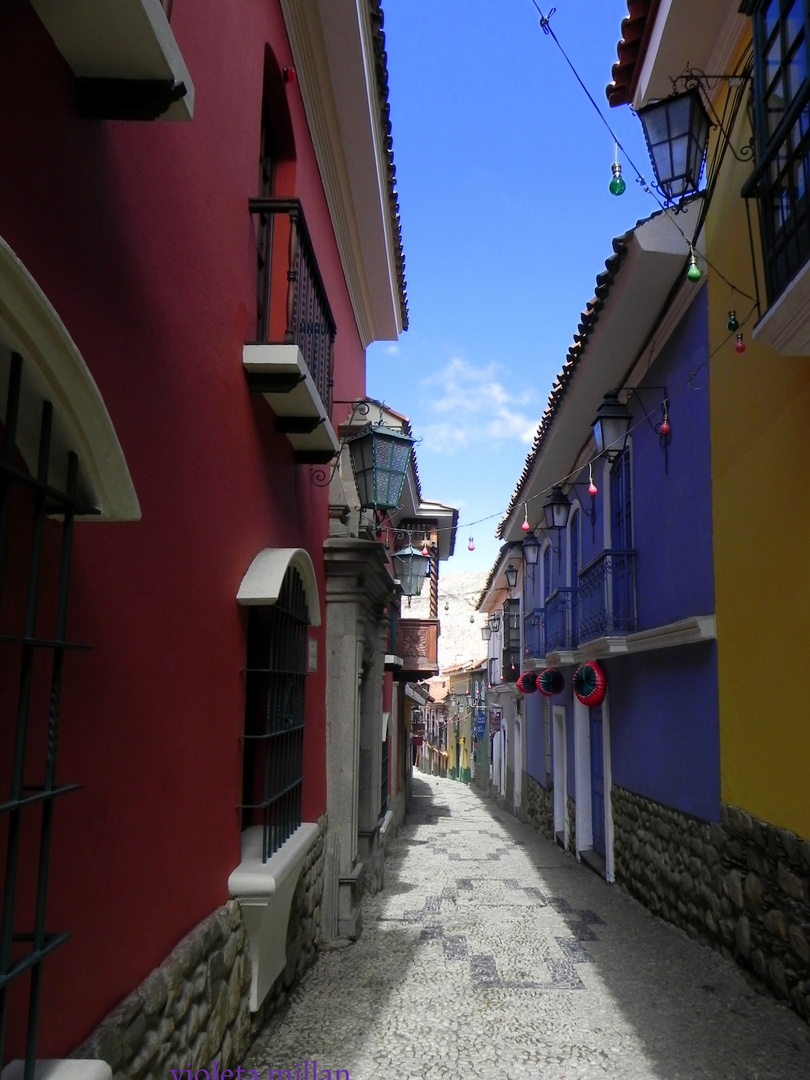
273 762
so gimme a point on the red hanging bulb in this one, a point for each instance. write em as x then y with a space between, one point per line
740 346
525 524
471 545
663 427
425 551
592 488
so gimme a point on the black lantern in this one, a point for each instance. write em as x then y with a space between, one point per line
409 569
511 574
380 458
611 426
486 632
494 622
556 508
531 549
676 130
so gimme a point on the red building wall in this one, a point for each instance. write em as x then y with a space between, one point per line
140 236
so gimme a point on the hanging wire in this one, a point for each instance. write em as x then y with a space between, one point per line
545 24
728 123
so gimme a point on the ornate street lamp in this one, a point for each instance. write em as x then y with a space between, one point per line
611 426
494 622
531 549
676 130
556 508
380 457
511 575
409 569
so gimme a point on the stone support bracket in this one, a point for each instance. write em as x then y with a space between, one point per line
265 892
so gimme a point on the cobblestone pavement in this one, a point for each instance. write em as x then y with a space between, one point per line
492 953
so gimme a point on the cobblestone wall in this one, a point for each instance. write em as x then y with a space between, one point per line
740 885
194 1006
540 807
572 825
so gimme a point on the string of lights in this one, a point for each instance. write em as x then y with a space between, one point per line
545 23
686 384
734 325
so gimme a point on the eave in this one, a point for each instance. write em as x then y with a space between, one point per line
339 54
661 39
630 298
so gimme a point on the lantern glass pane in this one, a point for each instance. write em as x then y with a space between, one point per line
409 569
392 455
676 130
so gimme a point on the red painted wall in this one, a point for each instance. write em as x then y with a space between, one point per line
139 235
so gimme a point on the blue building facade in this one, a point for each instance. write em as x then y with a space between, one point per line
626 584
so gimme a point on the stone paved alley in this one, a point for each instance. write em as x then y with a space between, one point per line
492 953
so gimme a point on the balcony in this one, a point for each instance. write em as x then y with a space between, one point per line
607 596
534 637
418 647
562 609
124 57
291 364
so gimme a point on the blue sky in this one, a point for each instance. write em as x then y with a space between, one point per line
503 167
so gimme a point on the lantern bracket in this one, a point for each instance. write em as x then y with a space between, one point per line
322 478
692 78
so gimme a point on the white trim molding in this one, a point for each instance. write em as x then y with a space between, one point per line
54 370
332 44
264 577
60 1069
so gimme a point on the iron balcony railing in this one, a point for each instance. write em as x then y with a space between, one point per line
299 315
534 637
561 611
607 596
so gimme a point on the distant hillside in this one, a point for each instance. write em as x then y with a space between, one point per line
460 639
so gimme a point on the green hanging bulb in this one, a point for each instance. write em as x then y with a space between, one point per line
616 185
732 323
693 273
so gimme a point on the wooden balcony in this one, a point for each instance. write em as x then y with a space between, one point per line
418 646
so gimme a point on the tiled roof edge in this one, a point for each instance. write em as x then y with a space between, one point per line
590 317
381 70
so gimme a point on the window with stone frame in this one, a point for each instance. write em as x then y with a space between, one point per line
273 753
781 112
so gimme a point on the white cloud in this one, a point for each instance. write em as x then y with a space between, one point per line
470 403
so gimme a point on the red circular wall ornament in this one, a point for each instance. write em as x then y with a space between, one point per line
590 683
527 682
550 682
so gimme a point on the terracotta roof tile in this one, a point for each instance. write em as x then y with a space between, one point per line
381 71
635 31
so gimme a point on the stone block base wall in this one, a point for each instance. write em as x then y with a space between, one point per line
572 825
740 885
540 807
193 1008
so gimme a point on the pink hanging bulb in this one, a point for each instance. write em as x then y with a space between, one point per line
740 346
471 545
592 488
525 523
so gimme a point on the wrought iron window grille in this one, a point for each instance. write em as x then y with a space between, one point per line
273 738
22 951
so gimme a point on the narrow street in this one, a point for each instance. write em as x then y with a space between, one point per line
492 953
